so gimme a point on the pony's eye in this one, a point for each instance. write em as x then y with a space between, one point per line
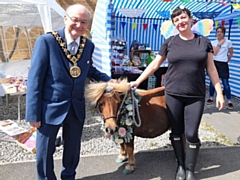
100 106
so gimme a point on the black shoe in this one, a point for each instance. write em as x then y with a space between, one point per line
230 106
209 101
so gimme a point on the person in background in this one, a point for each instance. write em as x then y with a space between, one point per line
188 56
60 64
223 52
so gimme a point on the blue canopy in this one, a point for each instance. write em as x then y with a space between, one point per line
224 16
153 8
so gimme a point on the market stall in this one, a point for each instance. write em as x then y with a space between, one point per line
126 21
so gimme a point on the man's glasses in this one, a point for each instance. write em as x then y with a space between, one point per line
77 21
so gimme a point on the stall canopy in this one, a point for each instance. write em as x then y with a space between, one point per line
30 13
141 20
224 17
160 9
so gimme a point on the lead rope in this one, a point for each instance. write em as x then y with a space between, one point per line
120 108
135 108
134 104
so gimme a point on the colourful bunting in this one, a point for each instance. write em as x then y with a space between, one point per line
238 20
223 22
195 21
185 1
145 26
216 23
155 26
134 25
236 6
223 3
167 0
123 24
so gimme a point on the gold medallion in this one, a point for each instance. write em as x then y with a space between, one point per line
75 71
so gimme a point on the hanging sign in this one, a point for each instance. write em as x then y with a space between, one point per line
129 12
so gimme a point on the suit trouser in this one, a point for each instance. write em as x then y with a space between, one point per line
46 136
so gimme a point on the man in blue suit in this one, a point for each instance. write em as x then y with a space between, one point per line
55 94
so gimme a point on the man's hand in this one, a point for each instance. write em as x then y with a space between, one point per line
113 80
36 124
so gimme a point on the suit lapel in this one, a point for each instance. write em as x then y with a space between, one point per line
64 58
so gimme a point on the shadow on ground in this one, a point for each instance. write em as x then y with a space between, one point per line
213 163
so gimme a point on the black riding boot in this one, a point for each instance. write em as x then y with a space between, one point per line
178 146
192 150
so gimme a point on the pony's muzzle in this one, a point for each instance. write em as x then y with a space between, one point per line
111 131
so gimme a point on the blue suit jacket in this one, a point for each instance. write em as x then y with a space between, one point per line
51 90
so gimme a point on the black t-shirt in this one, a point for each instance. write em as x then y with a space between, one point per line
186 65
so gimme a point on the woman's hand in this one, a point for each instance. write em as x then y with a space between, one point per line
220 101
133 84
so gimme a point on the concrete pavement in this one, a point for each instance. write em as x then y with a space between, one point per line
213 163
226 122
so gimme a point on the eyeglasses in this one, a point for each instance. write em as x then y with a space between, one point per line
77 21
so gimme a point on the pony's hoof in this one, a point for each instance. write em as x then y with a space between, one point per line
119 160
126 171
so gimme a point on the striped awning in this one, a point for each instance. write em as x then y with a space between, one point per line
152 8
233 15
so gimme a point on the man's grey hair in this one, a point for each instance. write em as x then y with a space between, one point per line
79 6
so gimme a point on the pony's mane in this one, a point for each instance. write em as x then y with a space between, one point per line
93 92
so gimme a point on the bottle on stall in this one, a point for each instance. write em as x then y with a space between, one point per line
150 58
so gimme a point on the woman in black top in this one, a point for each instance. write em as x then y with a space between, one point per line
188 56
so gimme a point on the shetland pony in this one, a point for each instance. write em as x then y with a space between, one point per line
148 119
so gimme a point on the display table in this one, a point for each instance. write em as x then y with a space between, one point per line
10 89
138 53
144 84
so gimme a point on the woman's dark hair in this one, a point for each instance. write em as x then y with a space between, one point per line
222 28
178 11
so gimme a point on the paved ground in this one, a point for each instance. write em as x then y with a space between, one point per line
226 122
213 163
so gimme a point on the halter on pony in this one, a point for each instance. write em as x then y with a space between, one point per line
135 99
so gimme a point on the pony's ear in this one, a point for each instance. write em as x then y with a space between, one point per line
108 89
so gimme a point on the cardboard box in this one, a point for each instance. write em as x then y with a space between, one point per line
4 80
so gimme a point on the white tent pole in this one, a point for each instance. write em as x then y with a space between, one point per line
54 5
28 42
46 17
